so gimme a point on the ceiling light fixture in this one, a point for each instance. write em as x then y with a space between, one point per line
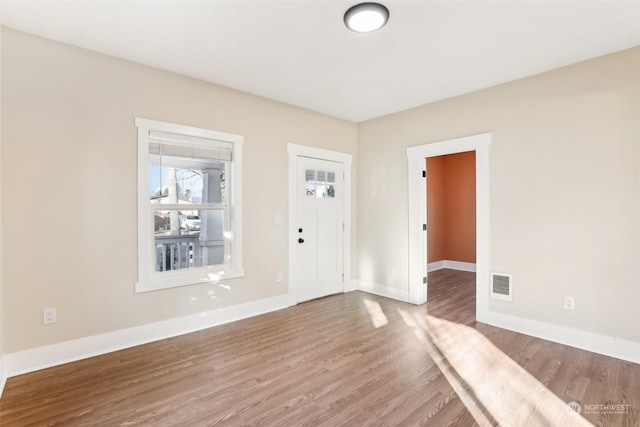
366 17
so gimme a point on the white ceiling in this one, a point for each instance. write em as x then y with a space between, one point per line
299 52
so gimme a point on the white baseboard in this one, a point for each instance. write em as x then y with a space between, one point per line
17 363
69 351
351 285
585 340
453 265
436 265
383 290
3 376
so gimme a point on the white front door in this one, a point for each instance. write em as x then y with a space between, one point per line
318 268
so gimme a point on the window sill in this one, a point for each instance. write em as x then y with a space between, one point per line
196 276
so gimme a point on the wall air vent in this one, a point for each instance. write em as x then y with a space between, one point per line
501 286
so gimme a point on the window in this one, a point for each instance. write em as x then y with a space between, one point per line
320 184
189 205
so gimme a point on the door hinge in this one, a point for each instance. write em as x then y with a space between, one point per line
424 279
343 277
343 226
424 227
343 176
424 174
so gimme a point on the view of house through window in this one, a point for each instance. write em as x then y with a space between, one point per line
192 235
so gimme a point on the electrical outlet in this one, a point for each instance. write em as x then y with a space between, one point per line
48 315
569 303
394 271
279 276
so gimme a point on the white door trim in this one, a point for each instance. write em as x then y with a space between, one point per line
418 215
294 150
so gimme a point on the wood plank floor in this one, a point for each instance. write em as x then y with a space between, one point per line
346 360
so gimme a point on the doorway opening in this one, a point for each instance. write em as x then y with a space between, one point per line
418 224
451 219
451 212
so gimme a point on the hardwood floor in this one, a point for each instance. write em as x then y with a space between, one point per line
354 360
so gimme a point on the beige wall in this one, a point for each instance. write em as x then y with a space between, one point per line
69 187
565 190
436 210
2 300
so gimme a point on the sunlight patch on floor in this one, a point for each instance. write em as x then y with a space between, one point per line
377 316
494 388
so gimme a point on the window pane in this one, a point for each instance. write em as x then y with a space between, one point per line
321 186
176 244
331 184
310 182
176 180
188 239
212 237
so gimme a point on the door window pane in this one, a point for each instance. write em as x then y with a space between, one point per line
331 184
310 178
320 184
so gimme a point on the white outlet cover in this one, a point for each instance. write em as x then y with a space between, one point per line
569 303
49 315
278 219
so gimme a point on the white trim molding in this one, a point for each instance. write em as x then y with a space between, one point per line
383 290
69 351
295 150
452 265
351 285
3 376
585 340
418 215
148 278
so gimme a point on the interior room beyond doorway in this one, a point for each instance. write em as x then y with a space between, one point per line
451 211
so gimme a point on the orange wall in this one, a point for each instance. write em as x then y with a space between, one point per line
451 207
436 212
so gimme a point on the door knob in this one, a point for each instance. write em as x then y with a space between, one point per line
300 240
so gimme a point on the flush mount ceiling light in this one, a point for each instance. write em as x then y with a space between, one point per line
366 17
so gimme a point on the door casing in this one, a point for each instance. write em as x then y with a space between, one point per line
295 150
418 216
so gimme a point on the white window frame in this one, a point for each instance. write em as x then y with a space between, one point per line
148 278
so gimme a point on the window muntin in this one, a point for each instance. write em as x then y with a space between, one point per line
191 230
